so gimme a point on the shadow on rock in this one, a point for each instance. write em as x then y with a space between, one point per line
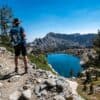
8 76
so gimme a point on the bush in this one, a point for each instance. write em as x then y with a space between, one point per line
40 61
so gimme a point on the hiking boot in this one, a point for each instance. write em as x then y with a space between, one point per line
16 70
26 70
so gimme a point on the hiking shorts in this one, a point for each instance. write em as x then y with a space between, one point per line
20 49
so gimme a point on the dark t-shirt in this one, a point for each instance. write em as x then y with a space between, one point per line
16 34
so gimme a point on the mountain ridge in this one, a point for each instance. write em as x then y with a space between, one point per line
56 41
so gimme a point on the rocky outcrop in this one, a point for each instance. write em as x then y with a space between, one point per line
56 41
37 84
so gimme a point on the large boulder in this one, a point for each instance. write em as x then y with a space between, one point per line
15 95
50 82
44 93
43 86
37 90
4 72
1 85
14 78
27 94
59 97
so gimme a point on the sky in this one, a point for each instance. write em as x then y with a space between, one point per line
40 17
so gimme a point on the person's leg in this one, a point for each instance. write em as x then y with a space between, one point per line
17 53
25 63
24 54
16 64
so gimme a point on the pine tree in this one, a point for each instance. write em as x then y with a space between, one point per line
97 49
5 19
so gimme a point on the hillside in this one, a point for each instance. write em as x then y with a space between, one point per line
56 41
37 84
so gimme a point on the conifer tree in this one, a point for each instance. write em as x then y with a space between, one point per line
5 19
97 49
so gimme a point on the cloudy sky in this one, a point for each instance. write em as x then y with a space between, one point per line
63 16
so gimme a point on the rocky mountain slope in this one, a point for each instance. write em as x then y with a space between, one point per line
37 84
57 41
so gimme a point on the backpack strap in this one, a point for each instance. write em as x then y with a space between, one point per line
16 35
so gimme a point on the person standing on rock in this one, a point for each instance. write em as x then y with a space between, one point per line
18 41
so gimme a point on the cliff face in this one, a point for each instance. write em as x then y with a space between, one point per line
37 84
57 41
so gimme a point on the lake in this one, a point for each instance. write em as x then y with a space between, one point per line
64 64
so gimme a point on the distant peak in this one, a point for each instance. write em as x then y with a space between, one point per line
51 33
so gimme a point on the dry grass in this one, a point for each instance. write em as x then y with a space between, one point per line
86 95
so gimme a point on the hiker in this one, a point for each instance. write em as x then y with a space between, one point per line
18 41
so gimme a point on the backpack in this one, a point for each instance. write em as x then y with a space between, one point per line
16 36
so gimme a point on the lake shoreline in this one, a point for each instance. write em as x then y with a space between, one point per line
64 71
53 69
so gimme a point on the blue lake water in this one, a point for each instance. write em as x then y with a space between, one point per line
64 63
